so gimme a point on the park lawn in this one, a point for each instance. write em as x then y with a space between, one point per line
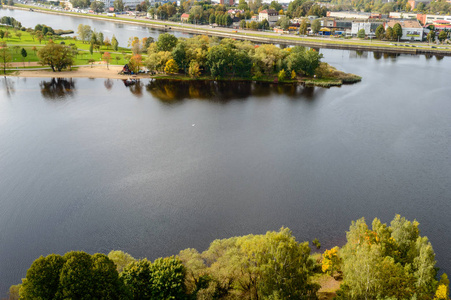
83 56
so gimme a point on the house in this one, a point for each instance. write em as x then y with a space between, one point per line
411 29
269 14
184 18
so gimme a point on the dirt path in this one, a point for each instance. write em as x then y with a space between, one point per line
97 71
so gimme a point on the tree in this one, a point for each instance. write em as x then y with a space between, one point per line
331 260
171 67
42 280
361 34
212 19
118 5
388 262
19 34
105 278
135 63
397 31
389 33
107 58
284 22
57 56
275 5
14 292
24 54
136 277
166 42
194 70
2 34
380 32
442 36
114 43
5 57
316 26
243 24
303 27
168 278
120 258
84 32
431 36
282 75
97 6
75 280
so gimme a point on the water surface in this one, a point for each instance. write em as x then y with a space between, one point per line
156 167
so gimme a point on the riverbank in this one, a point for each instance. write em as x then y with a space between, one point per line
113 72
265 37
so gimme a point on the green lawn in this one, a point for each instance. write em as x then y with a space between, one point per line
28 42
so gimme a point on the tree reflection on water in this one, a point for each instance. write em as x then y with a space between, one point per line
8 86
222 91
57 88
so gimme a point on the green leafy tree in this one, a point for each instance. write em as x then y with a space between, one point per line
431 36
388 262
168 279
5 57
303 27
397 31
380 32
114 43
120 258
361 34
105 278
24 54
166 42
57 56
137 277
97 6
75 281
442 36
118 5
84 32
42 280
316 26
389 33
243 24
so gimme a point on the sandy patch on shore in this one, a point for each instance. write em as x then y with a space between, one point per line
81 72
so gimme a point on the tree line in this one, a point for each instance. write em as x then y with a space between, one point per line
227 58
384 262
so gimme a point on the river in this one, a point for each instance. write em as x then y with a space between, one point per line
157 167
121 31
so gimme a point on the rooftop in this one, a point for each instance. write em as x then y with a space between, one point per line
405 23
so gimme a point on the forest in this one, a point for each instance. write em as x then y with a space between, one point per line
382 262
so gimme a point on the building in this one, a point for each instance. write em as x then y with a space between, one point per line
229 2
411 29
184 17
349 15
402 15
369 27
269 14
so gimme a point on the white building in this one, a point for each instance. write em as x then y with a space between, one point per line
349 15
411 29
357 26
269 14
